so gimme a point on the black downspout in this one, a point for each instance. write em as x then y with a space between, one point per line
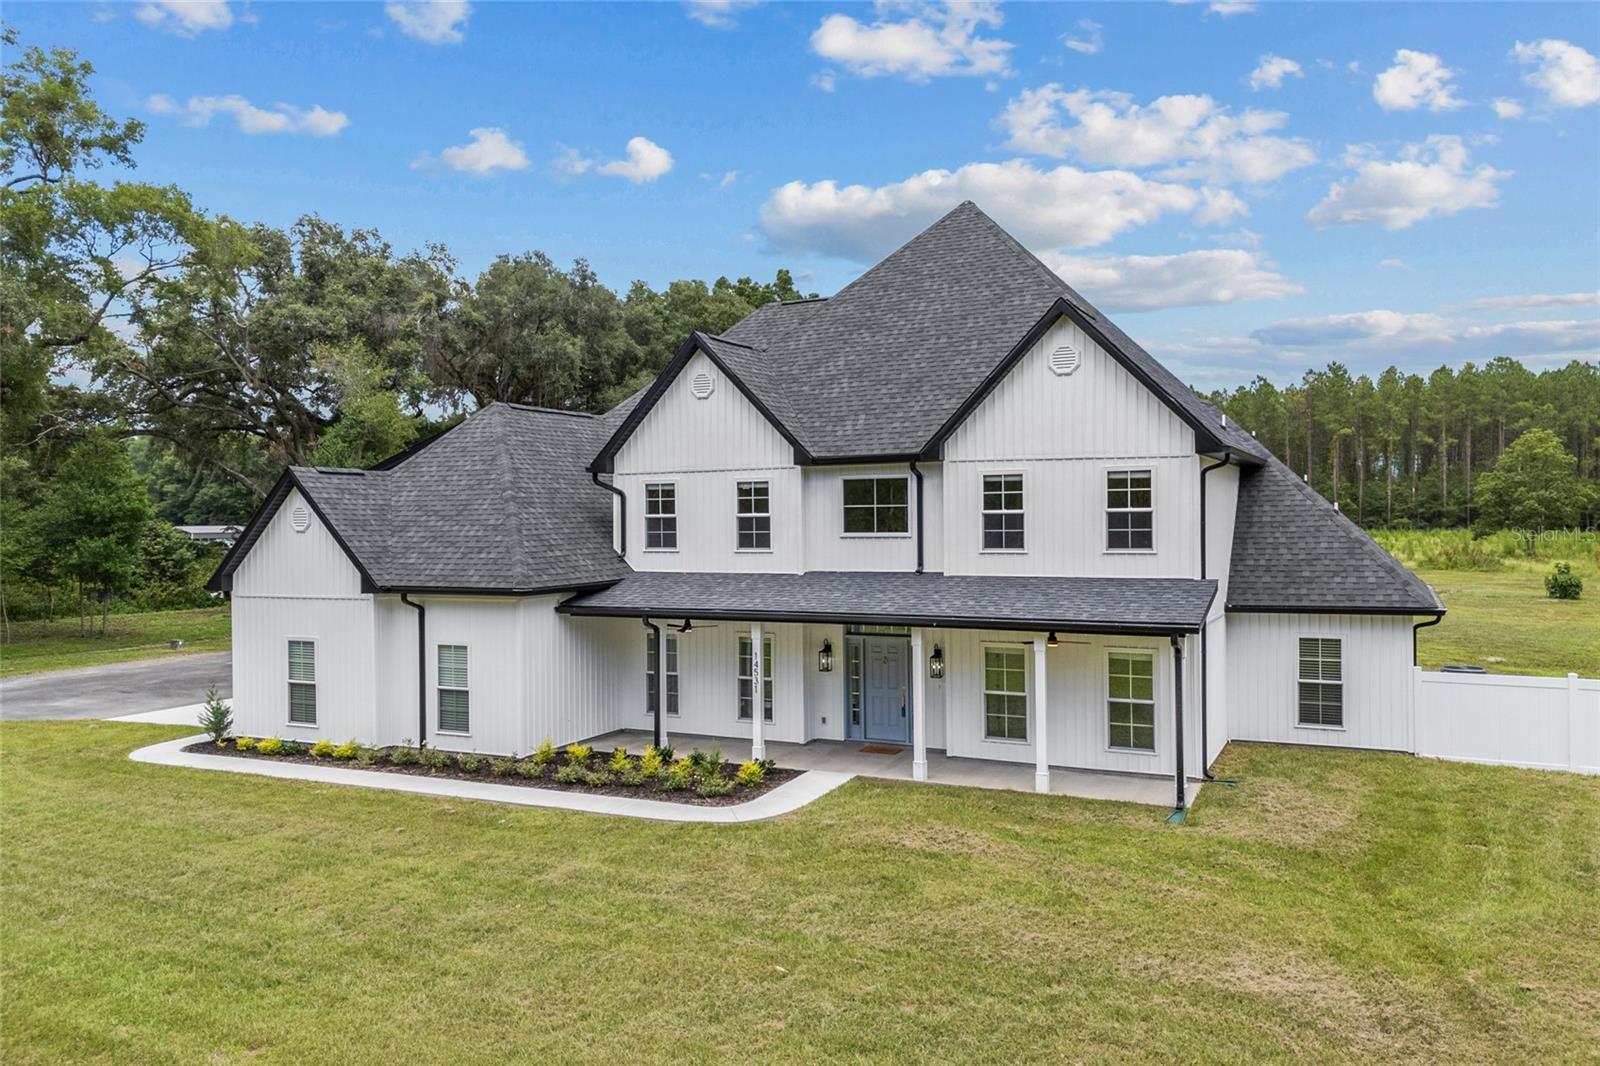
1435 620
918 475
422 668
1205 631
1177 717
622 522
655 697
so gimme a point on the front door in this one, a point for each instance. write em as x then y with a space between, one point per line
886 695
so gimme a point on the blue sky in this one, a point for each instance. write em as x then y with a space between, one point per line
1246 188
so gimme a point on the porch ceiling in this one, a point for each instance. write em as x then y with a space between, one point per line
1152 606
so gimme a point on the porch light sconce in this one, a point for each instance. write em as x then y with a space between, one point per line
936 663
825 657
1051 641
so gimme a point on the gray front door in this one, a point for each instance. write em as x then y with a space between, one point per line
885 692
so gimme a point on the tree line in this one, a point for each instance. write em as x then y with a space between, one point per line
1404 449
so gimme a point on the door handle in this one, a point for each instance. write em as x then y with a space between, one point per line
902 701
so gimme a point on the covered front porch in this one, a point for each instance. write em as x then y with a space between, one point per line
893 763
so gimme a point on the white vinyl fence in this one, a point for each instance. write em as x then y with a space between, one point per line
1546 723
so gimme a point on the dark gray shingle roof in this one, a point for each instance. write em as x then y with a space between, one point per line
1293 551
1083 604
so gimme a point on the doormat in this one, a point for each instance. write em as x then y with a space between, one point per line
873 749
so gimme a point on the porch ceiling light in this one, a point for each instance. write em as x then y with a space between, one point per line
1051 641
936 663
825 657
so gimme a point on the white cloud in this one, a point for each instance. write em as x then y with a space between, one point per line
1535 301
1504 108
1567 75
489 150
433 21
1150 282
1059 208
932 40
317 120
721 181
1230 7
1433 333
1431 178
646 161
1089 41
1417 79
1271 71
186 18
1391 264
718 14
1194 135
826 80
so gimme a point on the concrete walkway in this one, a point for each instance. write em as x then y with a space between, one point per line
117 688
787 797
847 757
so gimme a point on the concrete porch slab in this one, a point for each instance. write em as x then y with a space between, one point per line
846 757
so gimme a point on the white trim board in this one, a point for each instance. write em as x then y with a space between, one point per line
789 796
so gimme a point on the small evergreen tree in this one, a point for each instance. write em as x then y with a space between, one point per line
215 717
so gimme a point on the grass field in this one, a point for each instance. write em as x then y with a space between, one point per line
1502 619
36 647
1333 906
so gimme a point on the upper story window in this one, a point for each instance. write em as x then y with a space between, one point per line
1130 524
755 516
1002 512
875 505
661 516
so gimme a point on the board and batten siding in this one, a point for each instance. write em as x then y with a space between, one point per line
723 431
576 673
828 547
300 585
1263 652
491 629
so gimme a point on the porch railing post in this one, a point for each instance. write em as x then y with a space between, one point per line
919 713
1041 717
758 693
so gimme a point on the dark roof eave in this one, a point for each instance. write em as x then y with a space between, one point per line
1402 612
575 587
1146 629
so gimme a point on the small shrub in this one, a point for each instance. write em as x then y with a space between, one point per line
502 767
707 763
433 758
215 717
676 777
668 756
405 756
530 768
244 743
1562 584
650 763
348 750
598 778
469 764
571 774
270 746
366 756
322 749
715 786
620 760
750 774
546 753
578 754
632 774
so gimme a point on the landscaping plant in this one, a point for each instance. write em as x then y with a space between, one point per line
578 754
620 760
433 758
715 785
750 774
215 717
469 764
546 753
572 774
502 767
1562 584
270 746
650 763
530 768
348 750
244 743
322 749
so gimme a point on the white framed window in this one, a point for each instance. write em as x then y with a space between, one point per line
1321 702
1002 513
1005 692
1131 700
1130 511
669 648
747 677
455 710
661 516
302 682
876 506
754 516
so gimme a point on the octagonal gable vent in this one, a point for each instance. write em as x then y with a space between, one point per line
1064 360
300 518
703 385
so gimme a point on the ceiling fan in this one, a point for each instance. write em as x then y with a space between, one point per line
688 626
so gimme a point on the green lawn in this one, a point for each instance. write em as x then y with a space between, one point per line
1333 906
36 647
1502 619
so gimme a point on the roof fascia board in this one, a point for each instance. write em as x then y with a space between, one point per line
576 588
863 618
1399 612
604 463
221 579
367 583
1204 439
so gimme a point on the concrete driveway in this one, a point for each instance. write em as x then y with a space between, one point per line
121 688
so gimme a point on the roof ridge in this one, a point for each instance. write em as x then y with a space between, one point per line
537 409
729 340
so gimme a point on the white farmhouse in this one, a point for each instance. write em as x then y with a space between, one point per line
952 508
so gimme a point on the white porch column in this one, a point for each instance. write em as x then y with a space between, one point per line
1041 716
919 708
758 688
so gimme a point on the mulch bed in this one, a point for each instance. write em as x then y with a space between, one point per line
599 760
